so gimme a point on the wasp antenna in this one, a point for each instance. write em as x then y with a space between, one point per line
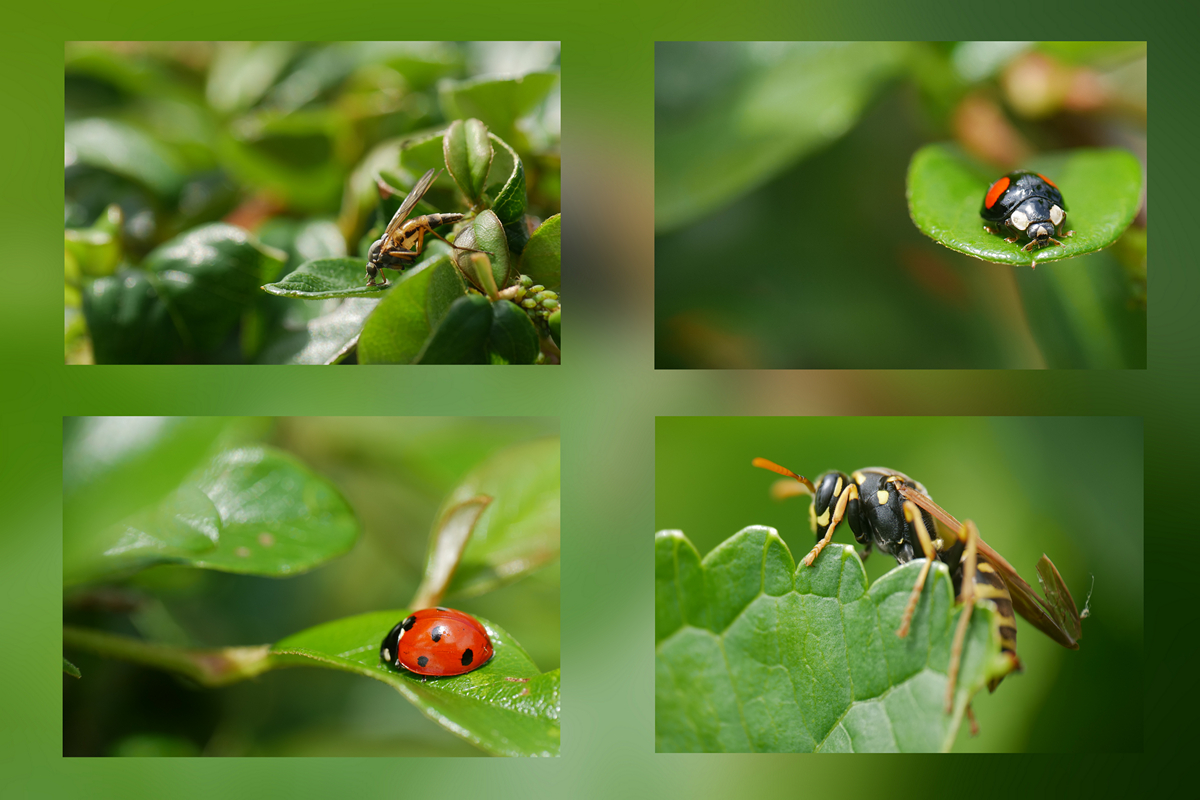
763 463
1087 612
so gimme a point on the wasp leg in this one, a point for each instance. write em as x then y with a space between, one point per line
967 599
848 494
971 720
913 514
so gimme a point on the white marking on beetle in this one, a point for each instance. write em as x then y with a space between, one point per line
387 654
1019 220
1056 215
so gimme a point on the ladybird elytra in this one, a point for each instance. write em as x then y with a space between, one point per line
994 193
437 642
1027 203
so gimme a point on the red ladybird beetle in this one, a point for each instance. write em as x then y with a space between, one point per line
1028 203
437 641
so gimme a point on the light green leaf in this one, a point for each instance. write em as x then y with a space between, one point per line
468 155
1102 190
326 339
755 654
402 324
519 532
542 259
124 150
326 278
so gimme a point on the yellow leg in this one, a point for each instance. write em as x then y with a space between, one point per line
967 598
848 494
912 514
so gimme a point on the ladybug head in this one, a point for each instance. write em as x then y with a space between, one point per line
1040 232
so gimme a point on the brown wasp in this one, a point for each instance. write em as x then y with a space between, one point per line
402 241
891 511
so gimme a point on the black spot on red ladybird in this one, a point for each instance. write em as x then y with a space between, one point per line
439 642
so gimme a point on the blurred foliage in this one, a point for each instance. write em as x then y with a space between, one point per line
1030 484
800 153
285 140
223 505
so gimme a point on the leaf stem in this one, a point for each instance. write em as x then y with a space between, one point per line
208 667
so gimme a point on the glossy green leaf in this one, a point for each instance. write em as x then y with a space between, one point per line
519 531
730 116
462 335
326 278
468 155
506 707
129 322
555 323
513 337
755 654
512 197
488 236
542 259
186 301
1102 190
208 277
291 155
250 510
498 102
409 313
451 532
326 339
124 150
71 669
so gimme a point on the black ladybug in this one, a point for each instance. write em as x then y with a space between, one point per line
1030 204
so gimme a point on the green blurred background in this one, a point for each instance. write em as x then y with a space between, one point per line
1070 487
607 398
783 236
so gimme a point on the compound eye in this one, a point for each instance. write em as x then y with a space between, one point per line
373 253
1019 220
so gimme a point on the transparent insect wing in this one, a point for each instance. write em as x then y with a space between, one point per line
410 203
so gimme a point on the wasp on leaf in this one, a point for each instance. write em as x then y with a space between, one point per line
891 511
402 241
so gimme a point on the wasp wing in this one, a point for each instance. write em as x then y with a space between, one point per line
410 202
1057 617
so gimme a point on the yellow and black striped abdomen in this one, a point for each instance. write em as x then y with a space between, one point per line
990 586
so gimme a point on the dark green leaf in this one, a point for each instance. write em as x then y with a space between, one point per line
1102 190
519 531
208 277
725 138
326 278
408 314
468 156
128 321
542 259
324 340
513 336
506 707
756 654
510 201
124 150
462 335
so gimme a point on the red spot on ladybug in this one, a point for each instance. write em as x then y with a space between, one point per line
438 642
1047 180
993 194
